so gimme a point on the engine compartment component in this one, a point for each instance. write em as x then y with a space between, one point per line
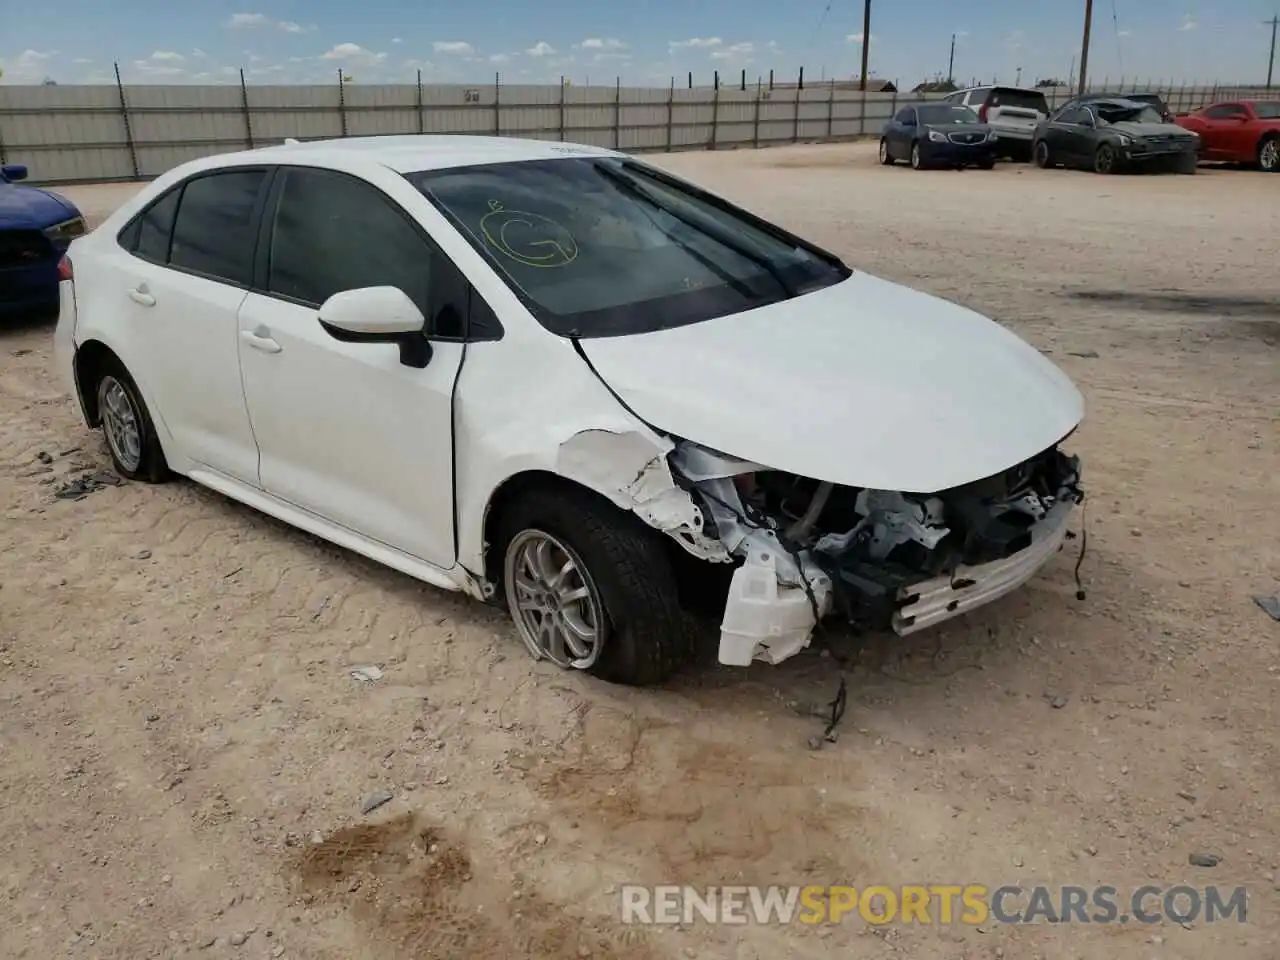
806 548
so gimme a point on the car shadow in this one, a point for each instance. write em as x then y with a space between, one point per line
1172 301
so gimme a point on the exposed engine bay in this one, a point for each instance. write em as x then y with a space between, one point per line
808 549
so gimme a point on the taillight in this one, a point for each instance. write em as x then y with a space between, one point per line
982 114
65 270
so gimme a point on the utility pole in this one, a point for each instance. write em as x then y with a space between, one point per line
951 64
866 41
1084 46
1272 62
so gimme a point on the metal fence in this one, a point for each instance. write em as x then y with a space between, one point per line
69 134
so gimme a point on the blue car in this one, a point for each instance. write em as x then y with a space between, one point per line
36 227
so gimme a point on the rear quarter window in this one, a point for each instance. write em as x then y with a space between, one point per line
1025 99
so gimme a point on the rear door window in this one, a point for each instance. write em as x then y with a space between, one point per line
215 229
155 228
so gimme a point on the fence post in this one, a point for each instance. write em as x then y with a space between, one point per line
342 102
862 114
671 109
421 124
497 105
715 113
244 105
617 113
128 126
562 108
743 84
755 119
831 109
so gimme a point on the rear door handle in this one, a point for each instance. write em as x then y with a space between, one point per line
260 341
139 294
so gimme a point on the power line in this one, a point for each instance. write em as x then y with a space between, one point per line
1115 23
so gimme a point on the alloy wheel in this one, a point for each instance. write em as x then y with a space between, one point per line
915 156
1104 159
554 602
1269 156
120 423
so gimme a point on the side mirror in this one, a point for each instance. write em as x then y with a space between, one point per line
13 171
378 315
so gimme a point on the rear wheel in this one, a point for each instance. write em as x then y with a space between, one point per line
591 588
1269 154
1042 155
917 162
130 433
1104 160
885 157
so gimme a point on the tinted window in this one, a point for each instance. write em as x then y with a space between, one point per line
1021 99
335 233
1225 111
1267 109
155 227
214 232
946 113
904 116
1074 115
603 246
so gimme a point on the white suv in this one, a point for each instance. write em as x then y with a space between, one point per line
1012 113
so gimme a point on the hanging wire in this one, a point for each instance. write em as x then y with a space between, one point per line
808 49
1115 23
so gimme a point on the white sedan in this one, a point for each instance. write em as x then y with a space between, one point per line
558 377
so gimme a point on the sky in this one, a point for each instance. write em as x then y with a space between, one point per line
646 44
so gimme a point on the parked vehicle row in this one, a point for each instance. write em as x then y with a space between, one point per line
36 226
1102 132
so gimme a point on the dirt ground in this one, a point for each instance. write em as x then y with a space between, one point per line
185 753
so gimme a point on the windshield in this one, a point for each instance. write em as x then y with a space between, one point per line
1267 109
1110 113
604 246
946 113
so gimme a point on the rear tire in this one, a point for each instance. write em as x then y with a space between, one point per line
128 428
641 633
886 158
1269 154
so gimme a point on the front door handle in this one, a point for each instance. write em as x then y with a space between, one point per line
141 295
260 341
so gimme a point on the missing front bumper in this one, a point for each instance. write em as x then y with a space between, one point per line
927 604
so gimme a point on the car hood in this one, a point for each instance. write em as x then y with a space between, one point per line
865 383
1134 129
30 208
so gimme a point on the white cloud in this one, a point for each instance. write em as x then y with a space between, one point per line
456 47
82 60
28 65
254 21
241 20
601 43
500 58
1188 23
168 55
541 49
353 53
152 68
737 51
1124 33
396 40
856 38
697 43
198 53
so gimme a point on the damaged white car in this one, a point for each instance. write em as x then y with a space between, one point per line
561 379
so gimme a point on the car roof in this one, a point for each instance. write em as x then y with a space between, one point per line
1001 86
411 153
1116 96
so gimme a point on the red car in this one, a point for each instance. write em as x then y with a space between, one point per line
1243 131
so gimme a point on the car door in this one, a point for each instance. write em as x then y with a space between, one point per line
1219 128
902 133
1078 129
184 270
345 430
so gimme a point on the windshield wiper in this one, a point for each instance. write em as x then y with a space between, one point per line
717 233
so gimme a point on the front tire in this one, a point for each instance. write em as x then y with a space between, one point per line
1269 154
128 428
1042 155
917 161
886 158
1104 159
591 588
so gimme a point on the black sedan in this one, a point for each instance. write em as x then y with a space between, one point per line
1108 136
938 134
